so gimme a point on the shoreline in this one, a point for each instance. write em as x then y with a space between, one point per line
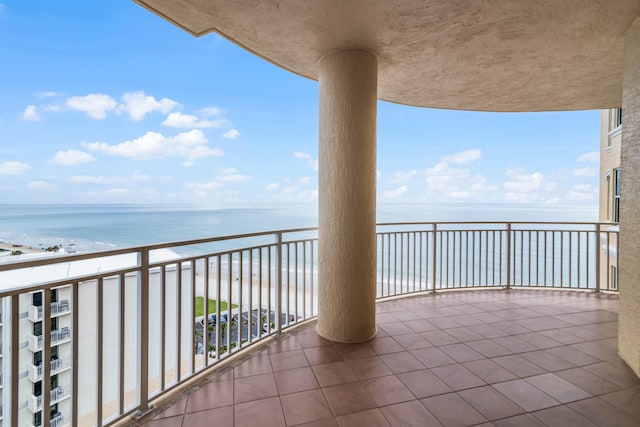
8 247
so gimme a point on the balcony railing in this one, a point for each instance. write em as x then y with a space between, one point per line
56 395
57 365
57 336
57 308
56 421
135 333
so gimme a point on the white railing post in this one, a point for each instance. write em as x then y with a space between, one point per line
508 256
434 241
598 247
143 334
279 284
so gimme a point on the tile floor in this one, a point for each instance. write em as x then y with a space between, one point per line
486 358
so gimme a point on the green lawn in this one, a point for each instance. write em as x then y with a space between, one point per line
212 306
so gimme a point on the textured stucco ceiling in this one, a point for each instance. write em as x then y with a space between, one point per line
491 55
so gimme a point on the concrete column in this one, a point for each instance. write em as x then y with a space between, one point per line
629 274
347 196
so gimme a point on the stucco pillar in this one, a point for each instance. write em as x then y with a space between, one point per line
347 196
629 280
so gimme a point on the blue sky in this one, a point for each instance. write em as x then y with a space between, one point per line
104 102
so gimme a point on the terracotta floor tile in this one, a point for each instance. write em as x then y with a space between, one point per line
173 410
409 414
488 348
616 372
334 373
327 422
254 366
387 390
212 395
463 334
461 352
587 381
420 325
304 407
561 390
457 377
515 344
348 398
432 357
491 404
424 383
628 400
354 351
401 362
439 337
389 345
289 360
525 395
572 355
295 380
223 417
263 413
489 371
368 367
452 411
538 340
397 328
370 418
254 387
524 420
287 343
603 413
312 340
322 355
547 360
518 365
165 422
561 416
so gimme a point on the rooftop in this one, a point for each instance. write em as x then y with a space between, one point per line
518 357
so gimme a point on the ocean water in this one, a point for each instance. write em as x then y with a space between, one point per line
104 226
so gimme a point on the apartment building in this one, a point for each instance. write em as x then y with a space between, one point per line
609 206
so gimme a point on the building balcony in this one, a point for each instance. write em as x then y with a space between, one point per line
57 420
58 337
546 320
57 366
58 308
57 395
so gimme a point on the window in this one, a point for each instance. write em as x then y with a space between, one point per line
617 117
37 299
616 195
608 205
614 278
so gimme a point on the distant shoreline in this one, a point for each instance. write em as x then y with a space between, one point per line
8 247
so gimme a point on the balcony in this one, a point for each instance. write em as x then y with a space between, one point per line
509 341
57 395
57 366
57 421
57 337
58 308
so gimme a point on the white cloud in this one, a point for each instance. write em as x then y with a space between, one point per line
443 178
403 176
138 105
88 179
203 189
192 145
582 193
49 94
231 134
523 183
41 186
95 105
234 178
304 180
301 155
31 113
394 194
586 172
593 156
13 168
100 179
72 157
272 186
463 156
211 111
179 120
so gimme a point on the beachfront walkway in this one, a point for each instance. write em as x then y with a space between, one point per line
522 358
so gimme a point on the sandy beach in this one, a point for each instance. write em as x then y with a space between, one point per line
7 248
